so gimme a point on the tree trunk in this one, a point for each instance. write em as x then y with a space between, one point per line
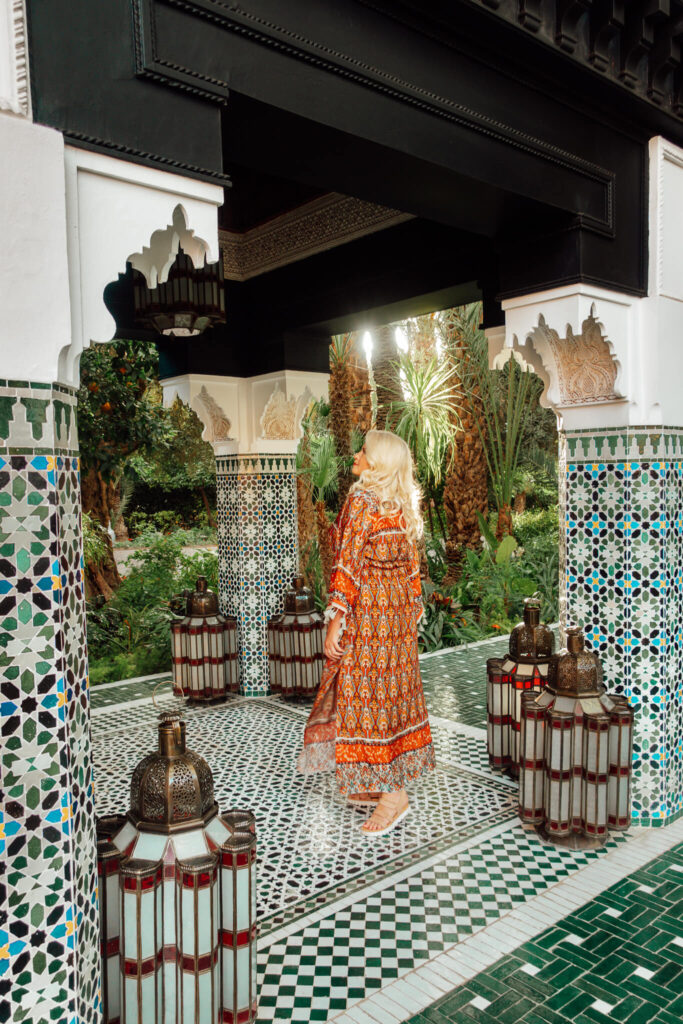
117 521
207 506
361 396
504 527
384 357
97 494
520 502
306 521
466 489
340 413
324 542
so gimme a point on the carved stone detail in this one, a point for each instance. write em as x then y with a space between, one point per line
586 369
313 227
219 424
281 417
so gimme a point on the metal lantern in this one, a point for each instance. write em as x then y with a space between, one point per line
525 668
576 748
190 300
296 639
177 896
204 643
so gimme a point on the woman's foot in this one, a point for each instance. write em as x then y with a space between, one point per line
389 811
363 799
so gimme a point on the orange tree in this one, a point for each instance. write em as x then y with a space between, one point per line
117 416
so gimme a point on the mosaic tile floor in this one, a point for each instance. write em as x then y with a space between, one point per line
358 931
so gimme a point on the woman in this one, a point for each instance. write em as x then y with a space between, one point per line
369 720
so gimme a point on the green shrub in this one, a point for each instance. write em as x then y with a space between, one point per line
130 635
534 523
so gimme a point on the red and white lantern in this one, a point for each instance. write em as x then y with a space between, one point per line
576 752
204 645
296 639
524 669
178 897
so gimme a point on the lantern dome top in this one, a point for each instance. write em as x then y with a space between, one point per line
530 640
575 671
171 790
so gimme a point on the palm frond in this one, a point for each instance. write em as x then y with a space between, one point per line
427 415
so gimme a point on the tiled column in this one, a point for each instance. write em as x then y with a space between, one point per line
612 362
623 583
48 930
257 551
254 425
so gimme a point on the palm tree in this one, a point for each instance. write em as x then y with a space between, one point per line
427 417
465 493
387 388
500 404
340 408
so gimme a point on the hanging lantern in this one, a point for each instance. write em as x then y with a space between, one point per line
204 644
576 749
296 639
525 668
177 896
190 300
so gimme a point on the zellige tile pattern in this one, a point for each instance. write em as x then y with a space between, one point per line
617 959
624 587
49 968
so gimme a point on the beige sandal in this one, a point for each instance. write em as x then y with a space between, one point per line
364 799
391 820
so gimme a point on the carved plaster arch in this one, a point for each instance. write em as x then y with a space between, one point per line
118 212
582 363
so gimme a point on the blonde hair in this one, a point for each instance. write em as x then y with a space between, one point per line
391 478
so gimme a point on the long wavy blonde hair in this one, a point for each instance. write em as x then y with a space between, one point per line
392 479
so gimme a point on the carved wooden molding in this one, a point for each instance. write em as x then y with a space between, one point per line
313 227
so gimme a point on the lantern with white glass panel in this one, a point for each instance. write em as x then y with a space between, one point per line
204 645
576 751
177 896
523 669
296 640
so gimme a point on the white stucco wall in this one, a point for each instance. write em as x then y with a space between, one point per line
35 314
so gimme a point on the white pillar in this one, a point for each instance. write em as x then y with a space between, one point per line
254 425
612 364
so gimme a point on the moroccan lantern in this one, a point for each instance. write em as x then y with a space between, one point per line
190 300
524 668
204 644
576 749
295 644
177 896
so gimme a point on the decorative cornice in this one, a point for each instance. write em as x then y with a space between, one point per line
313 227
152 64
14 48
107 146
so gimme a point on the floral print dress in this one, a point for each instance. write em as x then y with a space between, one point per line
369 721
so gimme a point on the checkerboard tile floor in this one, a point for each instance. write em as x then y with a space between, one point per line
365 932
618 958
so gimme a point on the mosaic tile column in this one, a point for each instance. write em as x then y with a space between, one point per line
623 571
49 969
257 551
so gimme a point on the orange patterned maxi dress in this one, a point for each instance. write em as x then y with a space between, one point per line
369 720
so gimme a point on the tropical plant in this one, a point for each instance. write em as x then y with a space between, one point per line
501 414
426 419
